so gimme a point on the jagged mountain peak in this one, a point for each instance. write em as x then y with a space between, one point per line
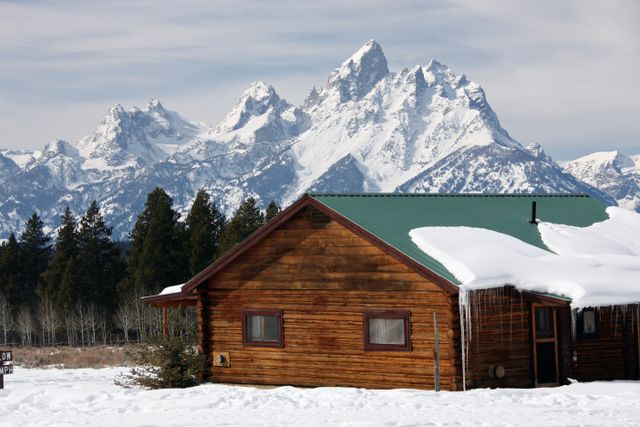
440 71
603 158
258 99
259 90
423 128
115 112
611 171
58 146
359 74
536 150
312 98
154 104
134 138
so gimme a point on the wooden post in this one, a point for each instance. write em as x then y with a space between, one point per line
626 353
638 337
165 322
436 354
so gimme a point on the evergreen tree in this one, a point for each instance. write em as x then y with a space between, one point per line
99 265
204 227
66 249
35 253
248 218
10 268
157 258
272 211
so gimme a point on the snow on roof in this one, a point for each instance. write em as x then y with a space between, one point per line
594 266
175 289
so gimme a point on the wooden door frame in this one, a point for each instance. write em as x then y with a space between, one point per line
536 340
637 310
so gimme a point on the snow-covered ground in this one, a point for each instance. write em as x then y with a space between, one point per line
88 397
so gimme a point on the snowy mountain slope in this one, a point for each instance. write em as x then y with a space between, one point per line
22 158
613 172
135 138
423 128
7 167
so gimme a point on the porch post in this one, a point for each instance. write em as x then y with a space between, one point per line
565 344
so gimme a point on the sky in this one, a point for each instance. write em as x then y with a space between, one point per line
564 74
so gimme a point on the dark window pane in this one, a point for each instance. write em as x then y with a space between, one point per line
386 331
271 328
262 328
588 322
544 322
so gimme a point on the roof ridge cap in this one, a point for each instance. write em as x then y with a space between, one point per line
523 195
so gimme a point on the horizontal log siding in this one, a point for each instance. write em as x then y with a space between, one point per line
501 324
324 277
603 357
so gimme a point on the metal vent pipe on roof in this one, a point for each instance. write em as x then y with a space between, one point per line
533 214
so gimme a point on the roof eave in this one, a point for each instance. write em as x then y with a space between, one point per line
171 300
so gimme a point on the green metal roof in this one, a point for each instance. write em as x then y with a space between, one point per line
390 217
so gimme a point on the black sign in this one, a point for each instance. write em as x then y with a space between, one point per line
6 369
6 356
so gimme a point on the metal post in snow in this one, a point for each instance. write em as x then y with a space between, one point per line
436 353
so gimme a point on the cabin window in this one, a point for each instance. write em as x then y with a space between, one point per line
387 330
544 323
587 323
262 328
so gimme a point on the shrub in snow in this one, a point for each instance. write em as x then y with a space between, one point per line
165 363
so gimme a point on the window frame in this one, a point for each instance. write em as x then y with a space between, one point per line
580 324
405 315
246 313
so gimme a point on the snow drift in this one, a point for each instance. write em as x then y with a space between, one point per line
594 266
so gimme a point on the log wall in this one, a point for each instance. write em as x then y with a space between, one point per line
501 335
613 353
324 277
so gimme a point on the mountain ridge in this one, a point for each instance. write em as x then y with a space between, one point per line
423 128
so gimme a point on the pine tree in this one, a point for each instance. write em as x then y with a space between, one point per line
35 253
66 249
99 263
10 268
156 259
248 218
272 211
204 227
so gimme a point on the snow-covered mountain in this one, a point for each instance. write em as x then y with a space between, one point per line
613 172
423 128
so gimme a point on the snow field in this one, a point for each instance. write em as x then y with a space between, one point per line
88 397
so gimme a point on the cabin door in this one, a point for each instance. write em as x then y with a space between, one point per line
545 346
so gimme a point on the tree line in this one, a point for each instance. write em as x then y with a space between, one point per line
83 288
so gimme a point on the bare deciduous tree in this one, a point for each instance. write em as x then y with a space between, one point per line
48 319
126 314
6 319
24 325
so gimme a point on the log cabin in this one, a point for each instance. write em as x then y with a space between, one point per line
333 292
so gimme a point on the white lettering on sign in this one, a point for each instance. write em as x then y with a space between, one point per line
6 356
6 369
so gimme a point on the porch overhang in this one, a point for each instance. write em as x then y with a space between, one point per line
178 299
